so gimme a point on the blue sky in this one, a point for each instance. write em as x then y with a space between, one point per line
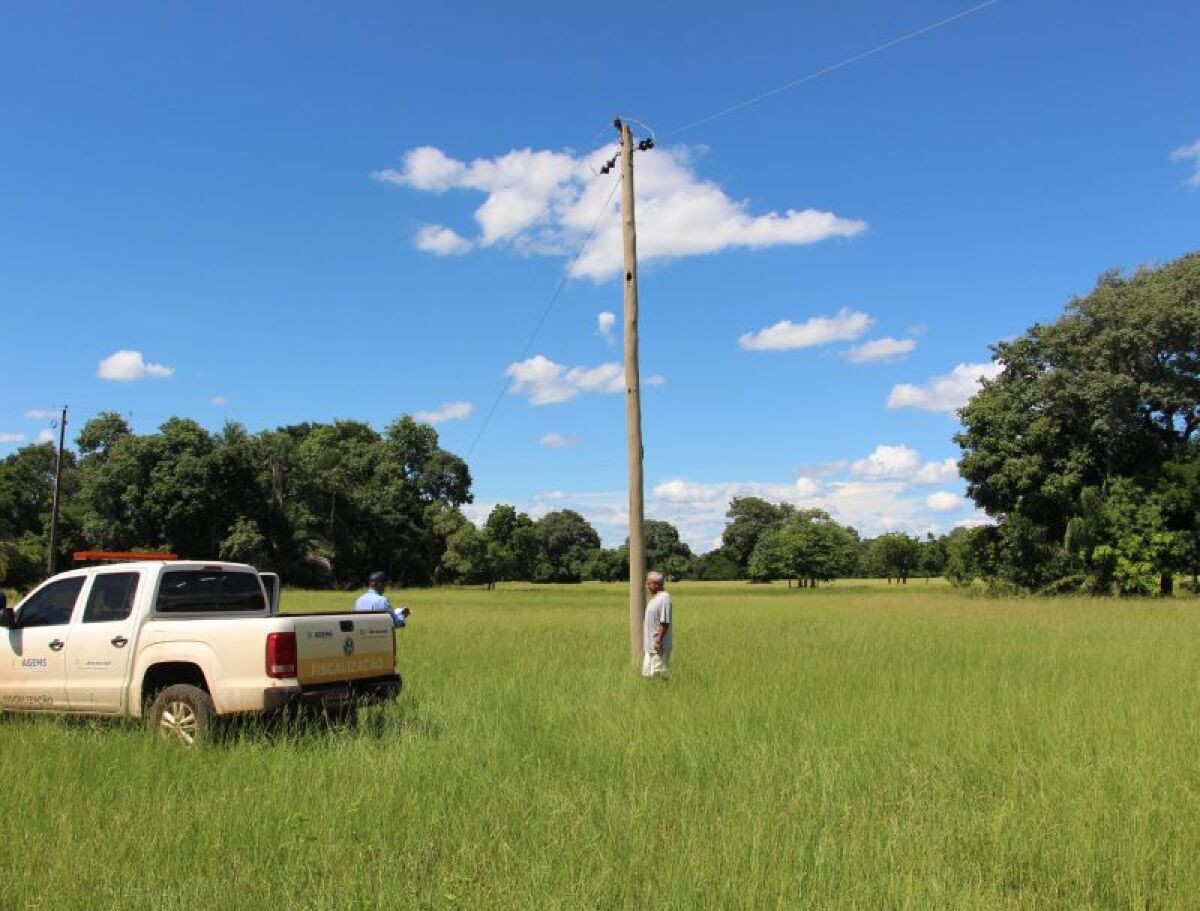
284 212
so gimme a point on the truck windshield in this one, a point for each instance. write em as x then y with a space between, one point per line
201 591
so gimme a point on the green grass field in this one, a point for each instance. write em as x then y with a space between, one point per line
857 746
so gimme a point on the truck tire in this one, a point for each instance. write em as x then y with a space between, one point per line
182 712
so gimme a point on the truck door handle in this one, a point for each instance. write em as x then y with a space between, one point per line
119 641
56 645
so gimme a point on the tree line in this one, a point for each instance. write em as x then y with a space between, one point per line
322 504
325 504
762 542
1084 450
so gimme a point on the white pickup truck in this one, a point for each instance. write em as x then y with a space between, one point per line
178 643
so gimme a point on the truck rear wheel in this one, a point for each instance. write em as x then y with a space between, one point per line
182 713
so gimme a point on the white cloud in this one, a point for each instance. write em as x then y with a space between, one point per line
902 463
875 507
807 487
12 438
943 393
478 510
897 462
425 168
885 491
45 435
558 440
540 202
872 506
944 501
845 326
823 469
976 519
881 349
448 411
544 382
937 472
219 400
125 366
679 491
41 414
441 240
1183 153
871 503
881 495
604 325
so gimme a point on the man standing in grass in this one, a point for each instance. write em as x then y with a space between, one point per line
657 629
373 600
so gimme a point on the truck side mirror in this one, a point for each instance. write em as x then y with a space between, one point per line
7 619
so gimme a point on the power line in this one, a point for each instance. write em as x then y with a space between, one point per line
562 283
829 69
645 145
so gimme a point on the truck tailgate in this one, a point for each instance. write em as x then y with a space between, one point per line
337 647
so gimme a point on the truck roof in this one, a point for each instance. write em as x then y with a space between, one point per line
222 565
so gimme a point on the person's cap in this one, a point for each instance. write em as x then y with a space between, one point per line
654 576
377 577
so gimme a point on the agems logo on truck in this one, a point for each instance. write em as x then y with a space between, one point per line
31 664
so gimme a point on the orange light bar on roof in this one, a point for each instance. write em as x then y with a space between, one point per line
81 555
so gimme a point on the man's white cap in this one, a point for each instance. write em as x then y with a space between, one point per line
654 576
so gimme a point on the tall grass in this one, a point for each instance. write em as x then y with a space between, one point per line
854 746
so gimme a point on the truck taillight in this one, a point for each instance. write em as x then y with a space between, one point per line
281 655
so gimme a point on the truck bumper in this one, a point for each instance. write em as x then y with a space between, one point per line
333 696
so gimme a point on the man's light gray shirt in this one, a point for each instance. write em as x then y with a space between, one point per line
658 611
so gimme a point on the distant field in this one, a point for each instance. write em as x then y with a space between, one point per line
857 746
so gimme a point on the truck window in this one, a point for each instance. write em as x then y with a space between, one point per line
111 597
52 606
200 591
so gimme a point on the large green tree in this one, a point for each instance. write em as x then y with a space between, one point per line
513 542
717 566
566 541
26 489
808 546
469 558
26 498
665 551
749 519
1105 397
895 555
324 504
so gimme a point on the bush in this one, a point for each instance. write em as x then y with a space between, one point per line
1067 585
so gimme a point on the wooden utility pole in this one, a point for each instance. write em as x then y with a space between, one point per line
633 404
62 434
